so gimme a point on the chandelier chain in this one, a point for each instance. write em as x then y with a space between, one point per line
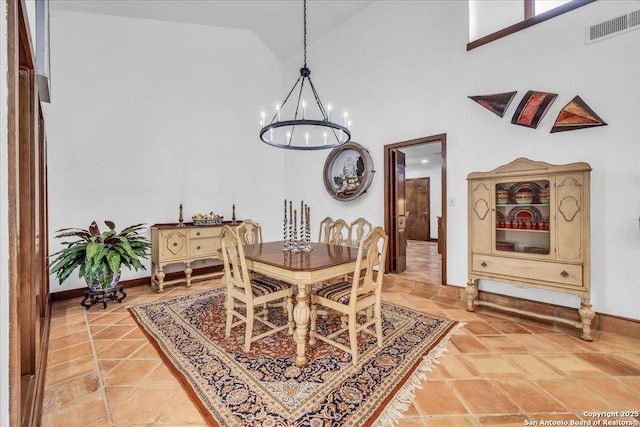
305 33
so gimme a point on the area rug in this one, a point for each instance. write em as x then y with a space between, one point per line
265 388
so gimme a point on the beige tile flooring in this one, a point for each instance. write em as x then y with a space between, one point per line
498 371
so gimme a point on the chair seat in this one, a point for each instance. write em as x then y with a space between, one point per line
267 285
339 292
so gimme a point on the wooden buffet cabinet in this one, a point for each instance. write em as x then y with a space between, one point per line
529 227
171 244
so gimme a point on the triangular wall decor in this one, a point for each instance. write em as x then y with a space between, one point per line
532 108
576 115
497 103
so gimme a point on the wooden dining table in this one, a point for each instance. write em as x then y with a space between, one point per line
322 263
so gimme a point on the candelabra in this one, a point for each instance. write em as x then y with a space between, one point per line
180 217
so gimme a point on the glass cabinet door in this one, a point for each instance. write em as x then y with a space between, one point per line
522 217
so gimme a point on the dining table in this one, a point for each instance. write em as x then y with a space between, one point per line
323 262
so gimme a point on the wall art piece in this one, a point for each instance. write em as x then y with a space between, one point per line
532 108
497 103
576 115
348 171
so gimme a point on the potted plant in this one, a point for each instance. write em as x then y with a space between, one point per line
99 256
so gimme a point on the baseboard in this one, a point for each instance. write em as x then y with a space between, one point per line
140 281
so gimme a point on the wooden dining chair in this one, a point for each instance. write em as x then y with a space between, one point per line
349 298
250 232
249 293
358 229
338 233
323 234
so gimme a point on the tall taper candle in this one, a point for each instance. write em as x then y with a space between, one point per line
295 225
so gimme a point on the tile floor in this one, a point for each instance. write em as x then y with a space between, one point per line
499 370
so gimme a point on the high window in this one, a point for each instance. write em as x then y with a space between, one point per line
492 19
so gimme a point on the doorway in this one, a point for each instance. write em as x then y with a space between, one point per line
415 205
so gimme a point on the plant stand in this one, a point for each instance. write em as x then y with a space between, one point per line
103 296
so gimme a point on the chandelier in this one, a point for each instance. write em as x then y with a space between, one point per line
311 127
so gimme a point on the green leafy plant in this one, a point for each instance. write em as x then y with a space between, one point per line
99 256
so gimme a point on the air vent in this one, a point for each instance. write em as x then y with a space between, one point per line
613 27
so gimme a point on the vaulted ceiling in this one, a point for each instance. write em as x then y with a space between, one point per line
278 23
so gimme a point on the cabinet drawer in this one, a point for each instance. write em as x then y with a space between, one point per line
172 244
204 246
198 232
566 274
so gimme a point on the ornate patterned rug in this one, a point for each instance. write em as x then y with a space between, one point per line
265 388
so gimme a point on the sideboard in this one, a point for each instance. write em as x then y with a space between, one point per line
171 244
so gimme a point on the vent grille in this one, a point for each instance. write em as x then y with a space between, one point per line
612 27
634 18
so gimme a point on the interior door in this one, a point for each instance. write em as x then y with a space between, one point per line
399 260
417 192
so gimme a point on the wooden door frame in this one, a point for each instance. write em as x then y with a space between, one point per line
389 179
27 229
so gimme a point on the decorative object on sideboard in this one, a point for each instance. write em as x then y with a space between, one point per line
207 219
100 256
303 132
497 103
233 214
576 115
348 171
180 217
532 108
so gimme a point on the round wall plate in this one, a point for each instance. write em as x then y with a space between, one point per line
348 171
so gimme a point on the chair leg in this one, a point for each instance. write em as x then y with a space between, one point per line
248 332
378 314
229 304
353 338
290 314
265 311
312 328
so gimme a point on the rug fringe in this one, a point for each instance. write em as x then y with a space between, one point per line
402 400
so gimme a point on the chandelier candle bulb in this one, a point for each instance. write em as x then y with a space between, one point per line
329 112
277 113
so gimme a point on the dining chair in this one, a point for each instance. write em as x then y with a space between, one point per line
358 229
349 298
323 234
250 232
250 293
338 232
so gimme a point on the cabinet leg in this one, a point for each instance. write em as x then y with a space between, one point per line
471 291
160 277
586 315
187 271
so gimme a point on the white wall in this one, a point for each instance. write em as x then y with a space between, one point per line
4 224
402 70
149 114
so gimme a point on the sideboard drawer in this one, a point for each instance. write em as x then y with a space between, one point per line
566 274
198 232
205 246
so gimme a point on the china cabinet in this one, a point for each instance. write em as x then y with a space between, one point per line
529 227
171 244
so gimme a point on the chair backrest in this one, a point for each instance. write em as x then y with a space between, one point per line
369 271
323 234
249 232
236 273
358 229
338 233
